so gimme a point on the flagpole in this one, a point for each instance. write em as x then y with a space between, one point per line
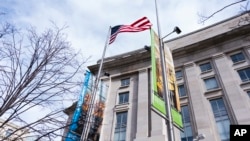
85 132
166 93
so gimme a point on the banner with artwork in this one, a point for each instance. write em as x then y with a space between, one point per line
97 115
83 105
158 102
172 85
157 80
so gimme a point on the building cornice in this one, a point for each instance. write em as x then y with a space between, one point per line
211 31
231 35
123 60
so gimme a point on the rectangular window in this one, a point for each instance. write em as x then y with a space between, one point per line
221 118
187 135
244 74
120 127
205 67
178 74
248 93
237 57
181 90
123 97
125 82
211 83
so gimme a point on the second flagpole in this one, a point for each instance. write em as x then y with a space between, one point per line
166 95
85 132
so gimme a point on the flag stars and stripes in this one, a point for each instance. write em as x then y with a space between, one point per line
138 26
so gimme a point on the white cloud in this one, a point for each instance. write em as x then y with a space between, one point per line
89 21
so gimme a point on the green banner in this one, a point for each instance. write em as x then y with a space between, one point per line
157 87
157 81
159 104
177 118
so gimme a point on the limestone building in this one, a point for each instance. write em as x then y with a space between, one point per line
213 74
11 131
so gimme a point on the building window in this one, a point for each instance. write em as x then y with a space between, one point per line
123 97
237 57
125 82
120 127
205 67
244 74
248 93
221 118
181 90
8 132
187 135
211 83
178 74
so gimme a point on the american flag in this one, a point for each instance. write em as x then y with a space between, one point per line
139 25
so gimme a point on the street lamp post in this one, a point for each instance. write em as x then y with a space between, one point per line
166 92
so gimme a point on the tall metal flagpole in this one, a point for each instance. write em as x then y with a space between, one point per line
85 132
166 94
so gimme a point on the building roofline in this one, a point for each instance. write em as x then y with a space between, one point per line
207 27
120 59
122 55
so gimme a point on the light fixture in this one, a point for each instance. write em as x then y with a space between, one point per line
176 29
199 137
147 48
106 74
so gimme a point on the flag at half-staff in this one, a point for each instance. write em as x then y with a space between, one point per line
138 26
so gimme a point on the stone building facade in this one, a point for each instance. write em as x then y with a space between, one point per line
128 114
11 131
213 71
213 74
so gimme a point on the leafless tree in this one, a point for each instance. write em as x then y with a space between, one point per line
36 71
243 9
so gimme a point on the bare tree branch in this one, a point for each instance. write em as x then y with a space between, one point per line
36 71
203 18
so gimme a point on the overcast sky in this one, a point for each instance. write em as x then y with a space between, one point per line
88 20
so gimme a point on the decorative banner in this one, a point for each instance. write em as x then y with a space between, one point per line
74 133
177 118
83 104
172 85
97 115
157 81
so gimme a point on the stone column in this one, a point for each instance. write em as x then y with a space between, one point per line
201 111
142 105
234 95
149 124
